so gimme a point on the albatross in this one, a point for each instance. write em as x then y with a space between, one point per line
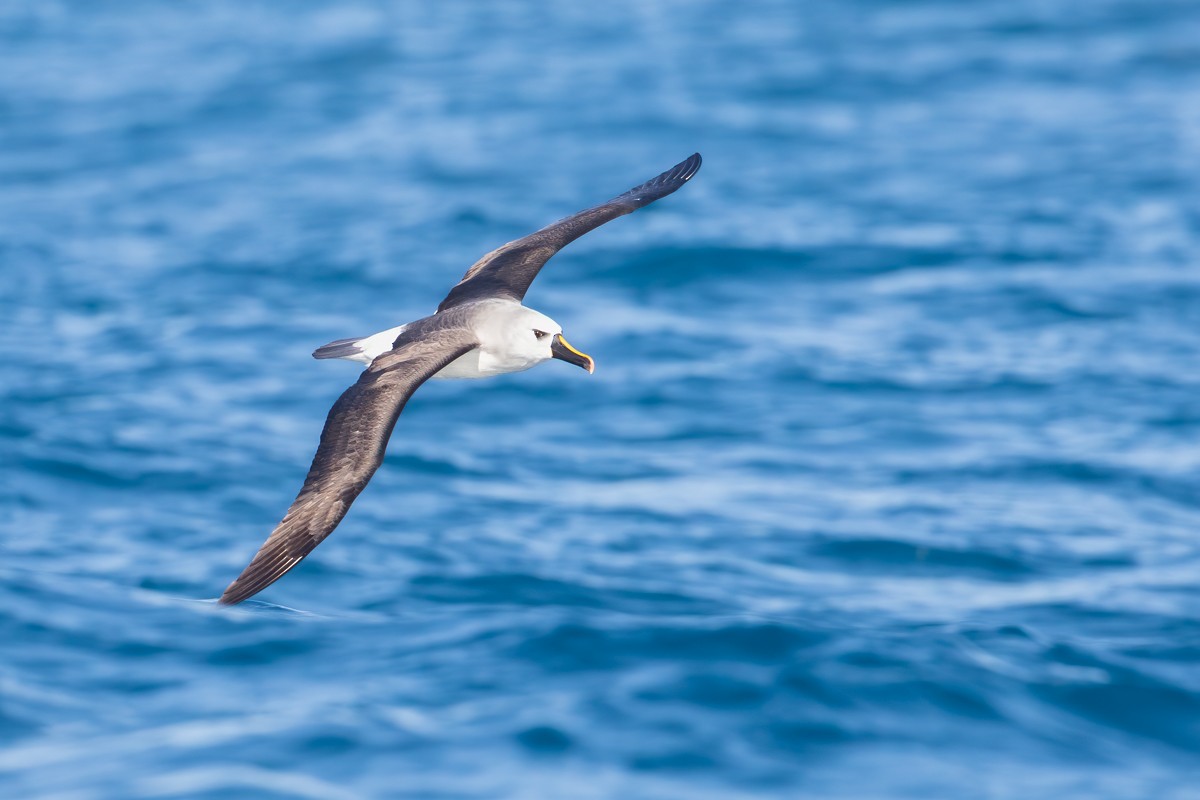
481 329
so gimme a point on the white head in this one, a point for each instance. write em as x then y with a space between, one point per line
513 338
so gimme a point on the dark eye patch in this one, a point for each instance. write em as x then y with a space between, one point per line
540 334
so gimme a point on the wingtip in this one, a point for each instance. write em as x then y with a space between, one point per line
685 170
240 591
230 597
691 166
667 182
269 565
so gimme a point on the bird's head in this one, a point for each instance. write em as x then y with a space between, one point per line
533 337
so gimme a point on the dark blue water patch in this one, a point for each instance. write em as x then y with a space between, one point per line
261 653
545 739
678 267
713 691
806 736
1183 489
918 558
15 727
536 591
574 646
1144 707
687 761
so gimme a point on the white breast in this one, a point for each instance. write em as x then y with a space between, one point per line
465 366
483 364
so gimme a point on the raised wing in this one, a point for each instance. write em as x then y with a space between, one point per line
508 271
352 446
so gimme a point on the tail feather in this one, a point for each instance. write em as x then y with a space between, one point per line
365 349
342 348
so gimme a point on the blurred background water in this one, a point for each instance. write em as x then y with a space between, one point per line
887 483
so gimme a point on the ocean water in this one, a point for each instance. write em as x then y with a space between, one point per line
887 483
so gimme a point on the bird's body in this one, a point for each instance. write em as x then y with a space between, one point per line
480 329
498 323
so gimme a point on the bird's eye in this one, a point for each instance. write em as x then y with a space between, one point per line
540 334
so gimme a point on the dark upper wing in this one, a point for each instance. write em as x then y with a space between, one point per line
352 446
508 271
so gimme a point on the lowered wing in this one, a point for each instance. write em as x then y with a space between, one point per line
352 447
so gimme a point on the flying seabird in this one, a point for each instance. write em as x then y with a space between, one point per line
480 329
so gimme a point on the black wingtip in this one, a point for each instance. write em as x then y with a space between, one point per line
689 167
681 172
268 566
664 184
236 592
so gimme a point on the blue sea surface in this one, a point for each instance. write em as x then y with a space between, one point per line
887 483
